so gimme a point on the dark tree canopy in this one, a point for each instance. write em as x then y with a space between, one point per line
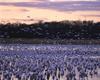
52 30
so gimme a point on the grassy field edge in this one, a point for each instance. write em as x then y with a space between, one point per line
47 41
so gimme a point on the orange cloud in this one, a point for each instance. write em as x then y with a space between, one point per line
12 13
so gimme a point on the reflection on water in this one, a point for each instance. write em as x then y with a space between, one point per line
49 62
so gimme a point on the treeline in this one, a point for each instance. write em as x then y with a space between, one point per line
52 30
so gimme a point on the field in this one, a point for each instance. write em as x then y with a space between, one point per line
49 62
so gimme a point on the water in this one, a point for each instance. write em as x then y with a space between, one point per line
45 62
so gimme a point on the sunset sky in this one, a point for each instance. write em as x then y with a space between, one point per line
49 10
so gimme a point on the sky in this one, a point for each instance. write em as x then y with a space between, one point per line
49 10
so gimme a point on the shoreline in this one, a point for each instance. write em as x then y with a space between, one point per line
48 41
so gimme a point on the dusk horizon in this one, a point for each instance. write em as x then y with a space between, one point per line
49 10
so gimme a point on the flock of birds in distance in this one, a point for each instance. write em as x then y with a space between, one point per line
49 63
